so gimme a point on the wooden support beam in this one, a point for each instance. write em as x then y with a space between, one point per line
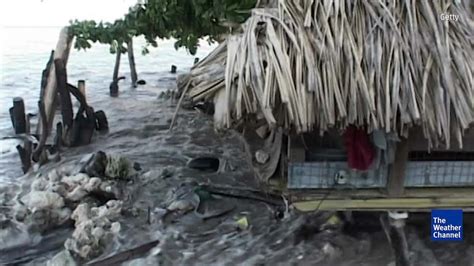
375 204
131 61
296 151
396 178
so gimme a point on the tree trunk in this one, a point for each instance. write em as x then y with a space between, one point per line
131 60
50 90
117 65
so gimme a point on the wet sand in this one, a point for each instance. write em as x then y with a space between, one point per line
138 130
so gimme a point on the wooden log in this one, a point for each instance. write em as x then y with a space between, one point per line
79 96
81 85
131 60
45 74
62 87
117 65
25 155
43 116
58 139
62 50
18 115
396 178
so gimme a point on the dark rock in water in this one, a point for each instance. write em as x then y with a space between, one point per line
167 172
173 69
137 166
96 165
141 82
204 164
101 121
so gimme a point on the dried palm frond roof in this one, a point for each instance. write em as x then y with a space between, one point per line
314 65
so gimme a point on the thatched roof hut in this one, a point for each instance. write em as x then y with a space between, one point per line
315 65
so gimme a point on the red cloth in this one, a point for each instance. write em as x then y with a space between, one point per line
360 151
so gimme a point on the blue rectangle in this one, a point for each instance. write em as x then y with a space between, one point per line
446 225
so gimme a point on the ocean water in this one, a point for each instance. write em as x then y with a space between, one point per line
25 51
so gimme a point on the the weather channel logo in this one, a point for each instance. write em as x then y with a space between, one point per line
446 225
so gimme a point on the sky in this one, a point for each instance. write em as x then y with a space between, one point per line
44 13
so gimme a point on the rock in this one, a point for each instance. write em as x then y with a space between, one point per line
137 166
94 227
63 258
98 232
115 228
43 200
20 211
93 184
95 164
167 172
181 205
39 184
77 194
81 213
261 156
75 180
53 176
60 216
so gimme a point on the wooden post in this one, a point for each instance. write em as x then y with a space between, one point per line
66 104
50 90
131 60
81 85
117 64
18 117
396 178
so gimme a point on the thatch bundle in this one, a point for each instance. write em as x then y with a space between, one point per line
314 65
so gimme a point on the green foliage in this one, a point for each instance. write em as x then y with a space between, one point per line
186 20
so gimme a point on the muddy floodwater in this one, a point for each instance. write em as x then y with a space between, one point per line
246 231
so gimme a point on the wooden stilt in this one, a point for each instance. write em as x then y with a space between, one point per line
394 227
131 60
396 179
